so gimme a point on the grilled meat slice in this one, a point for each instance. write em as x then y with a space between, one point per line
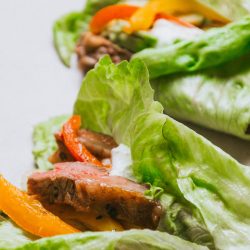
98 144
89 188
91 48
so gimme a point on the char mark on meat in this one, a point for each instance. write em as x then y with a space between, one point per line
89 188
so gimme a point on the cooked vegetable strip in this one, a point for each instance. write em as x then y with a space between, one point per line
144 17
77 149
105 15
29 214
140 18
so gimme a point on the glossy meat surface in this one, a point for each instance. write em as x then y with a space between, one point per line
90 188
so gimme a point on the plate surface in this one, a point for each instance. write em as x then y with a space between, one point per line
34 85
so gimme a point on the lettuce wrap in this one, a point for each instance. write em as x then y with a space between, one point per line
67 30
205 190
166 153
183 222
206 77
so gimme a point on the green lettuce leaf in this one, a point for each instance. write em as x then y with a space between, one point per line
132 239
214 47
218 98
66 32
232 9
166 153
44 144
11 236
136 96
182 221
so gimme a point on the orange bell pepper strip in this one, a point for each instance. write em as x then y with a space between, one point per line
77 149
29 213
144 17
107 14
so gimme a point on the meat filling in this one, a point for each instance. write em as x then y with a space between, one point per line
98 144
89 188
91 48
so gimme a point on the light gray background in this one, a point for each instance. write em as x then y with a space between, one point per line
34 85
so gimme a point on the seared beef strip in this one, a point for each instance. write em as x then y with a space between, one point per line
91 48
90 188
98 144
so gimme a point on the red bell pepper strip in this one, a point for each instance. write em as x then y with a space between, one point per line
107 14
77 149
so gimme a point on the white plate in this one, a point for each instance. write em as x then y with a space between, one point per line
36 86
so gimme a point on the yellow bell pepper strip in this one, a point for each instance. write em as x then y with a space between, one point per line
29 214
144 17
77 149
107 14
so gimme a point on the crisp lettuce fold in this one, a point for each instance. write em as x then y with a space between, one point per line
166 153
184 221
232 9
66 32
218 98
206 80
44 144
212 48
132 239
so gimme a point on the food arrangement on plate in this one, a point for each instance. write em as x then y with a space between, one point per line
119 172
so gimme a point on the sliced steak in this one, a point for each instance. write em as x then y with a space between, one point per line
98 144
91 48
89 188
